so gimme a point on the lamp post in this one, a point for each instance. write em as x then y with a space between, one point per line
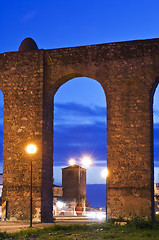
31 149
104 175
72 162
86 161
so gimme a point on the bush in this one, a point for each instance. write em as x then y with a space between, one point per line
140 223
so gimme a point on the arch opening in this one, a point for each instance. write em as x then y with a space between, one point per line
156 146
1 144
79 131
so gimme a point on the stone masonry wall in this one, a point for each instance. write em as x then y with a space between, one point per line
22 81
128 73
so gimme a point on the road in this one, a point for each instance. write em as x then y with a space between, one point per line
18 226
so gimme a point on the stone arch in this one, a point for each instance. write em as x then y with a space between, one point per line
2 109
65 79
126 70
152 93
58 82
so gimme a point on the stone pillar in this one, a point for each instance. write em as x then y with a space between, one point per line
26 121
129 150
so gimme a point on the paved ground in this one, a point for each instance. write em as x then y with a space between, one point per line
12 226
18 226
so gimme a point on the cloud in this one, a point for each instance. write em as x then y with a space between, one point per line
29 15
82 129
72 107
156 145
75 141
79 130
74 113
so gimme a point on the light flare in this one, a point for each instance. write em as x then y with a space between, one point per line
72 161
60 204
31 149
104 173
86 161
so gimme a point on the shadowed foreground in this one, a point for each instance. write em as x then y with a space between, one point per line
136 229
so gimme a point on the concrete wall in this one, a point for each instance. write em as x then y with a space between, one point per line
128 73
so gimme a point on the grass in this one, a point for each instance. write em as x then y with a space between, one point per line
133 230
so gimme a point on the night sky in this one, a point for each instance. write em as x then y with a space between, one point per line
80 104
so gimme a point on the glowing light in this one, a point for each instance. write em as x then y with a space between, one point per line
31 149
72 161
104 173
60 204
91 215
101 216
97 215
86 161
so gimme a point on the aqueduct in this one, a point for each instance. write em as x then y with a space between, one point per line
29 78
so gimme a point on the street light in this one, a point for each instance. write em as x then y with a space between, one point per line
31 149
86 161
104 175
72 161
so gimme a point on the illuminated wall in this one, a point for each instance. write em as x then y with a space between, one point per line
29 79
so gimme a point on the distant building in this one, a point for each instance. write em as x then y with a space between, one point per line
57 192
74 188
1 184
57 195
156 197
71 195
74 183
1 187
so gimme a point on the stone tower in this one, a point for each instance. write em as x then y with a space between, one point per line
74 183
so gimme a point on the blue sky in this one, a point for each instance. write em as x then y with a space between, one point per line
61 23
